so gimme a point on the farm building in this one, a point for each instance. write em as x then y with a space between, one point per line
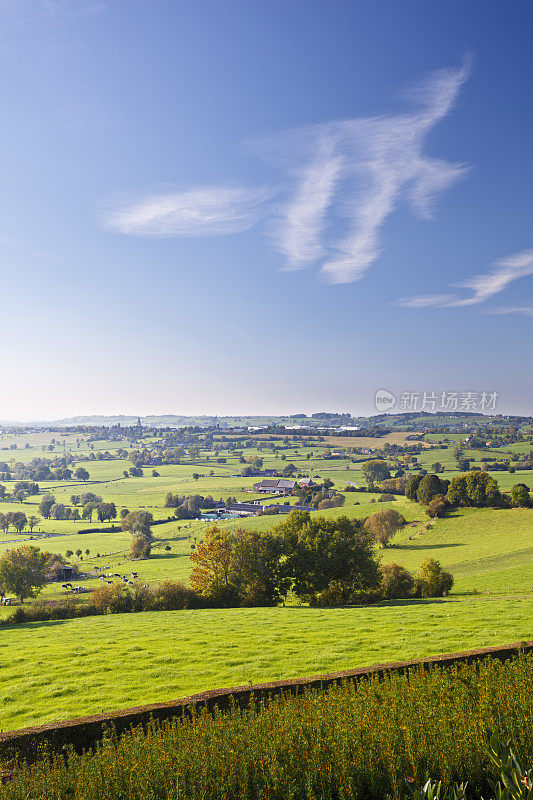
63 573
275 486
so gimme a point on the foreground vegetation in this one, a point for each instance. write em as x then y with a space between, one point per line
338 744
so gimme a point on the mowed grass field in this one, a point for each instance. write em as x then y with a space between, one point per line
57 670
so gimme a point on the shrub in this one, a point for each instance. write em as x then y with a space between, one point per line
386 498
339 593
42 612
395 582
432 580
336 501
394 485
173 596
113 599
140 548
436 507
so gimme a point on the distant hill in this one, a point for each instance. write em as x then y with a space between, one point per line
404 421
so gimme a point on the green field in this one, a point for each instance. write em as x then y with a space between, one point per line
56 670
485 549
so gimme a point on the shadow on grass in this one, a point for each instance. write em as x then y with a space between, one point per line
415 601
427 546
409 601
34 625
164 556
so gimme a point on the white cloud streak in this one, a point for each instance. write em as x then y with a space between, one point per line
362 170
424 301
305 218
204 211
484 286
527 310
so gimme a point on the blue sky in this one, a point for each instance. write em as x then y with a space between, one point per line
264 208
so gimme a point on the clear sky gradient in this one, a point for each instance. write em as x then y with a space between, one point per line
250 207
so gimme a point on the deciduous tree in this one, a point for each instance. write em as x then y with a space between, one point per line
23 571
383 524
375 471
432 580
520 496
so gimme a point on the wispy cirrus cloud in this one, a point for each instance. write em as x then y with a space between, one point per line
356 173
483 286
347 176
202 211
527 310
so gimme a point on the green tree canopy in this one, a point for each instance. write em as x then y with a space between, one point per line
238 567
476 489
383 524
46 504
429 487
411 487
322 554
520 496
23 570
375 471
432 580
139 523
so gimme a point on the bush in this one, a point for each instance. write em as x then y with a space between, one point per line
396 582
436 507
338 593
386 498
43 612
394 485
336 501
140 548
113 599
432 580
173 596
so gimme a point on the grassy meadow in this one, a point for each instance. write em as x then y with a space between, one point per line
56 670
